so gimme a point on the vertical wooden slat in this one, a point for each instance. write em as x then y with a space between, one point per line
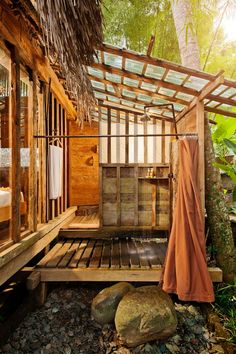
136 196
154 198
163 142
154 141
118 206
135 139
145 142
109 133
15 170
66 190
33 159
126 138
63 164
100 168
118 139
51 118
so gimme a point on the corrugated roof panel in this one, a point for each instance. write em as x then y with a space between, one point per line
130 82
134 66
175 77
196 83
113 77
148 87
113 60
95 72
155 72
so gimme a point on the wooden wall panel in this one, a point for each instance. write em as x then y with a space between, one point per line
188 123
84 166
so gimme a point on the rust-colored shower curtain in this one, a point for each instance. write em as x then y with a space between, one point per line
185 270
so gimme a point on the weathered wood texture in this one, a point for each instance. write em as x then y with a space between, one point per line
124 259
83 166
130 198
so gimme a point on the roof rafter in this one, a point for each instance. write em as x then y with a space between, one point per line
141 90
125 73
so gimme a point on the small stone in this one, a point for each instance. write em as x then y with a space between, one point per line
55 310
213 340
176 339
71 334
81 305
197 329
172 348
35 344
48 346
68 350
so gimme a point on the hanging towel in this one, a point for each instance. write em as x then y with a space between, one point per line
55 165
185 267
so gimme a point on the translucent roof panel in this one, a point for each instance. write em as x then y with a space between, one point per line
127 103
166 92
178 107
212 103
98 85
184 96
130 82
148 87
155 110
159 101
196 83
113 99
219 90
229 92
110 88
113 78
139 106
128 93
113 60
175 77
95 72
134 66
145 98
100 95
155 72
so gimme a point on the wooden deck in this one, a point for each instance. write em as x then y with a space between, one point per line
125 259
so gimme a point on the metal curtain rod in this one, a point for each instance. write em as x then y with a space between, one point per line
110 136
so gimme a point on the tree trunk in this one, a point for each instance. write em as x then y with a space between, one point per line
217 213
218 218
187 39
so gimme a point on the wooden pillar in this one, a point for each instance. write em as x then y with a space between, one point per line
16 165
127 138
109 133
33 159
201 167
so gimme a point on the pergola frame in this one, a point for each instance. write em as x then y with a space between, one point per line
117 83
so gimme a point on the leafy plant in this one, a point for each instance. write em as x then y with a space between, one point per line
225 306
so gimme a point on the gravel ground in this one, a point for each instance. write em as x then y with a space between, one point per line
64 325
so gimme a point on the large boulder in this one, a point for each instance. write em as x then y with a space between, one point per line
104 305
144 315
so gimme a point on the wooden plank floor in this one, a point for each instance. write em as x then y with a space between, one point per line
114 253
84 222
125 259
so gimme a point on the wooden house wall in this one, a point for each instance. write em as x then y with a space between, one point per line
83 166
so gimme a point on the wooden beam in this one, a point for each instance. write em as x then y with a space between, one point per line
109 133
151 45
16 165
161 83
210 87
114 275
220 111
124 108
130 99
32 55
138 90
127 138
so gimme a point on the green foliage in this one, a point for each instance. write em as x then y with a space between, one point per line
225 305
